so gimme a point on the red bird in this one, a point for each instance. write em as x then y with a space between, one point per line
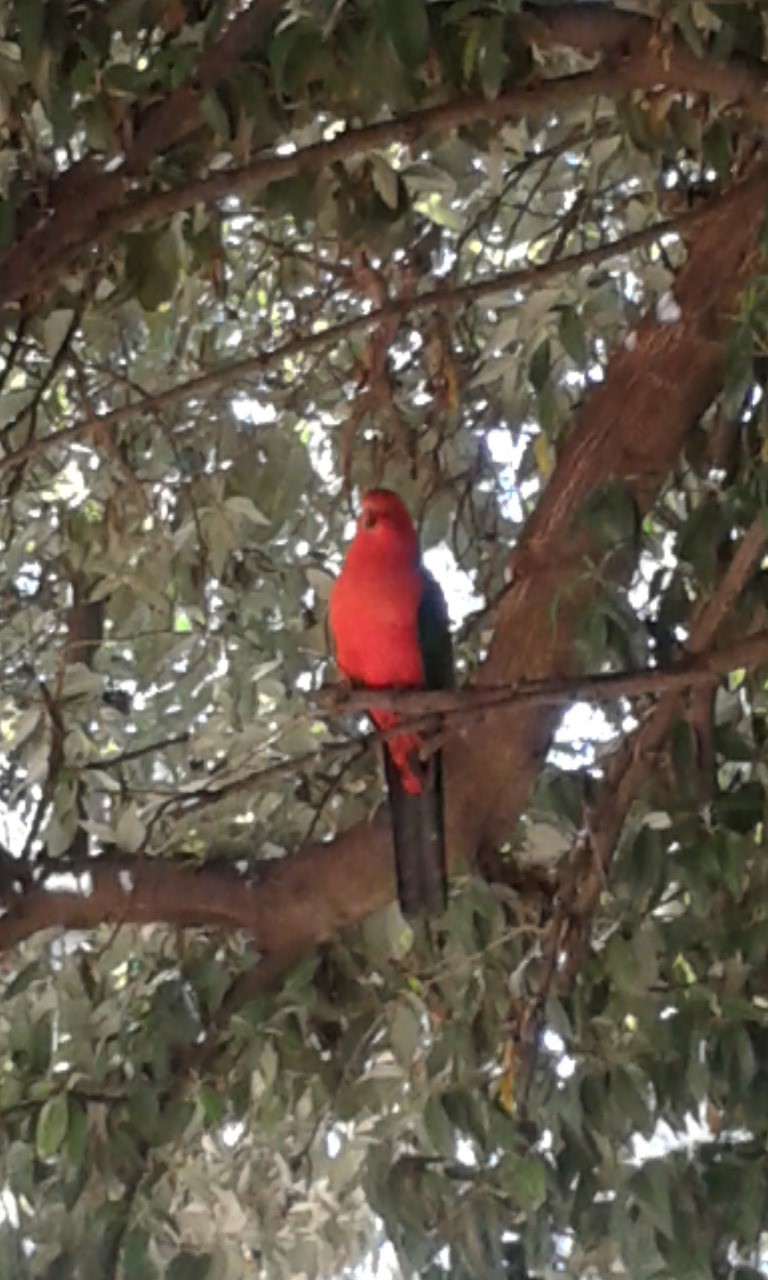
390 627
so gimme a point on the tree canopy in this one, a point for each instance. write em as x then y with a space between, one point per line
508 260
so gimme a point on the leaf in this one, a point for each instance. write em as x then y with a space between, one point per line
491 56
407 26
55 328
31 20
30 973
543 453
540 365
244 506
144 1111
526 1180
573 337
121 78
130 832
405 1033
77 1133
214 114
650 1186
386 182
741 809
610 514
189 1266
52 1125
152 263
136 1263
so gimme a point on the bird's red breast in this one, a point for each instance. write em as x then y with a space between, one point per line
374 612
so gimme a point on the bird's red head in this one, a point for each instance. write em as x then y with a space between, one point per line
384 519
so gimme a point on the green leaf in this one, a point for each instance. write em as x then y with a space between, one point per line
136 1264
31 19
573 336
122 78
610 514
77 1132
526 1181
650 1186
215 115
144 1111
52 1125
407 25
491 56
540 365
189 1266
30 973
717 149
405 1033
152 263
741 809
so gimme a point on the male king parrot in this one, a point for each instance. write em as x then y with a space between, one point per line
390 627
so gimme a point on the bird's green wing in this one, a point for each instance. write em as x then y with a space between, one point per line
435 635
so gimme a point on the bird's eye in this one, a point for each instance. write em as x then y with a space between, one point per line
368 520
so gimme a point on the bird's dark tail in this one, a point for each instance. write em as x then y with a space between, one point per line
418 834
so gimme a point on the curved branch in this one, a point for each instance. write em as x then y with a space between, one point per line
665 61
288 905
630 428
87 207
210 384
85 194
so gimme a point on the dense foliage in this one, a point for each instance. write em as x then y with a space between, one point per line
254 257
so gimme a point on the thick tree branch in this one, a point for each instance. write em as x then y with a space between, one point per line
281 907
87 193
87 207
289 906
631 429
615 35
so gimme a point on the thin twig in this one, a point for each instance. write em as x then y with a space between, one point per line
419 704
208 384
586 868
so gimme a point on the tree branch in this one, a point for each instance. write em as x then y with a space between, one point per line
584 872
86 194
87 208
209 384
281 907
630 768
416 704
631 429
609 33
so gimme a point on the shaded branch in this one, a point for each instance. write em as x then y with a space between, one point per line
280 906
82 197
630 428
631 767
612 34
416 704
88 208
585 869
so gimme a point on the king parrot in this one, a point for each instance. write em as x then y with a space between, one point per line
390 626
